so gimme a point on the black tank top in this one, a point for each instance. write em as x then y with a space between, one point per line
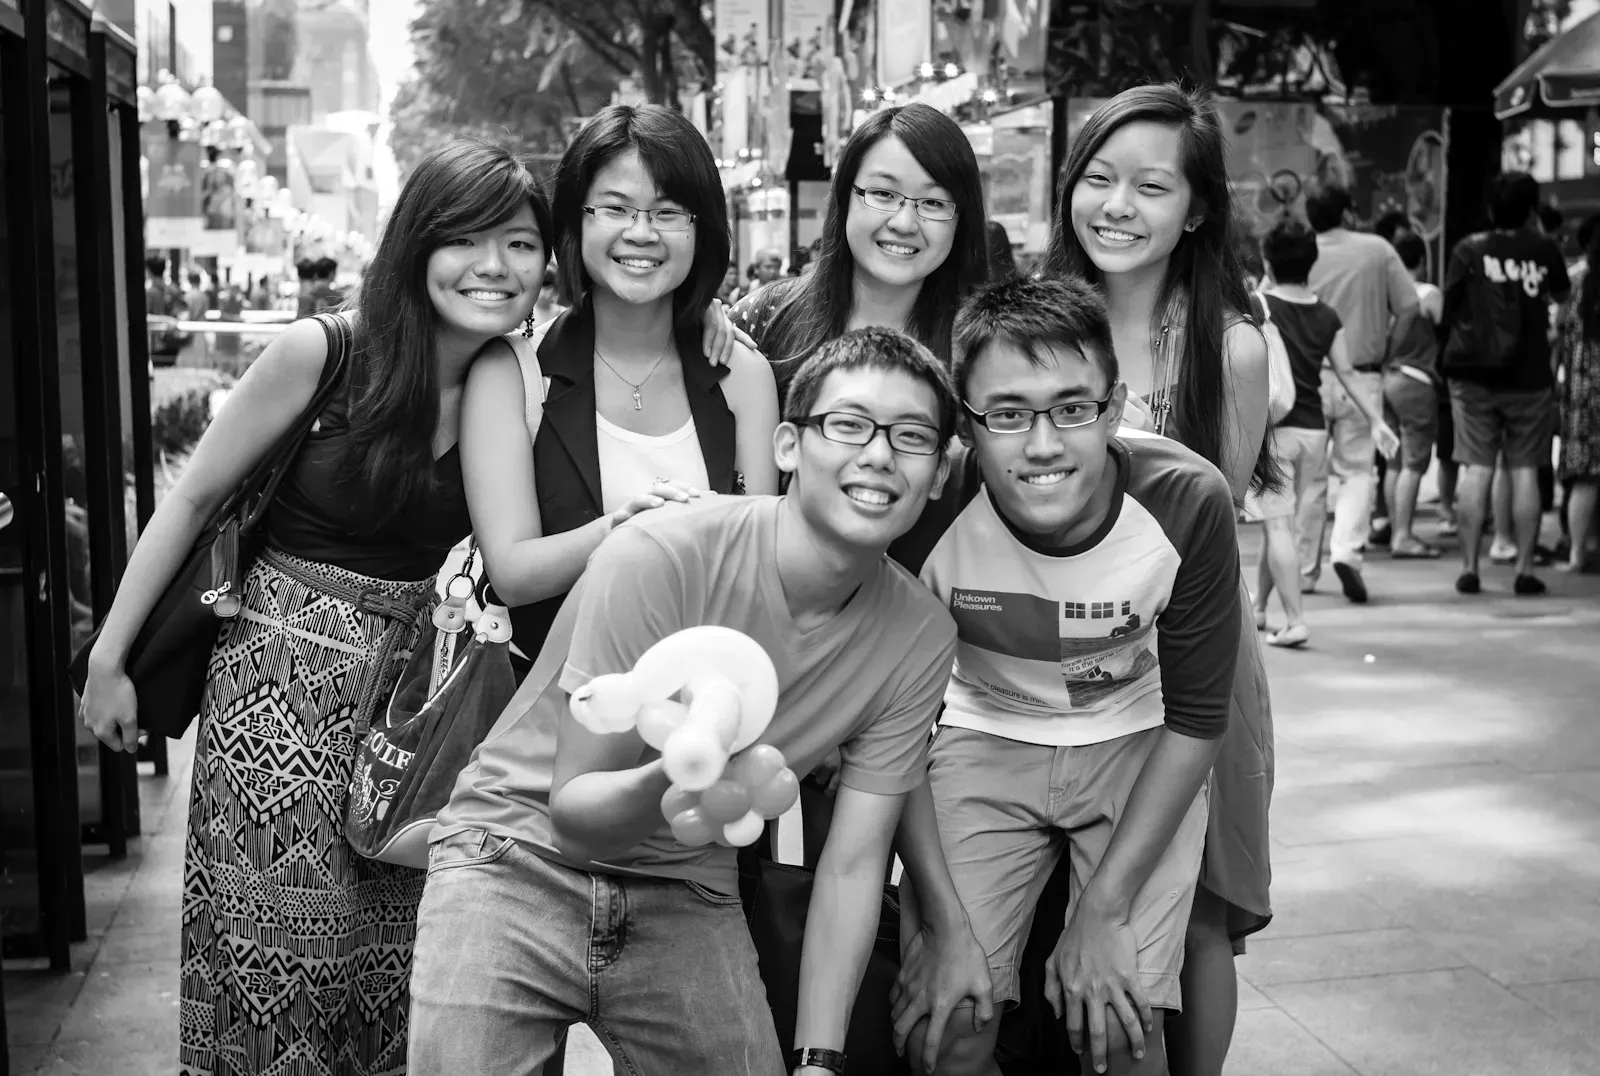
318 517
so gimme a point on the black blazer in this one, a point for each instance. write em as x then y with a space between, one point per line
566 452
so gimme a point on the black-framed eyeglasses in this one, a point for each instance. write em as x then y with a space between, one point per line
623 216
849 428
1063 416
887 201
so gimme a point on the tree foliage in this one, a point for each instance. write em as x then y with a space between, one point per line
493 69
666 45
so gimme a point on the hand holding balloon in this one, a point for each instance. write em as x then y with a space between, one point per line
732 690
758 786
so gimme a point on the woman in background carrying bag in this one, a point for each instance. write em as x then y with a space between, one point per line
293 946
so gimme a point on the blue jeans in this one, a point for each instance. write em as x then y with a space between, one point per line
513 949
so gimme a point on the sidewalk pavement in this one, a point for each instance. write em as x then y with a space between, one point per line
1436 856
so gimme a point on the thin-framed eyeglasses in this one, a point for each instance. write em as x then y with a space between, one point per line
887 201
1064 416
849 428
623 216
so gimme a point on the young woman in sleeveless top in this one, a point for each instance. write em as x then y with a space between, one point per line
904 241
1146 213
296 952
632 413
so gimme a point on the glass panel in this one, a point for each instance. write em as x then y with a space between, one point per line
119 281
69 361
19 885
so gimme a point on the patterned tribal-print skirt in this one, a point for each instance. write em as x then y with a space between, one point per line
296 951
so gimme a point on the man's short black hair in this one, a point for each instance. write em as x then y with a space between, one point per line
1511 198
1032 315
1291 250
1412 250
1551 219
872 349
155 264
1391 224
1326 205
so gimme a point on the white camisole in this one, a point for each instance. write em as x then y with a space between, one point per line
631 462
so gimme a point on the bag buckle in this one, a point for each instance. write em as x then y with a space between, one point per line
211 597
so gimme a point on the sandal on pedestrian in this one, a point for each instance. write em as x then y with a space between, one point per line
1414 551
1468 583
1290 638
1528 585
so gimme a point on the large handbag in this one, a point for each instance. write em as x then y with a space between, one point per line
168 659
777 897
449 697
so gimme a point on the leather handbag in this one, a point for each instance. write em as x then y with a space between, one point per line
169 656
451 694
777 897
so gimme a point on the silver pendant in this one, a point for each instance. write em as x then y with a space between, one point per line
638 404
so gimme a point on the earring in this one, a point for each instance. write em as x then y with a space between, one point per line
1193 224
528 326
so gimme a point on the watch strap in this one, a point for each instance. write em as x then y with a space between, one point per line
816 1057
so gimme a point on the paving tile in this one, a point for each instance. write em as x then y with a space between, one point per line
146 992
1250 998
1268 1042
1435 1023
1574 1005
27 1060
1272 961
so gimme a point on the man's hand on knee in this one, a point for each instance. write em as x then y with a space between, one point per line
962 1051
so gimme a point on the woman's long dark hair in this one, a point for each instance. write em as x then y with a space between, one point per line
818 308
1206 264
465 186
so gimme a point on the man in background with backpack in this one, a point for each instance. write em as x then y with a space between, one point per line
1497 357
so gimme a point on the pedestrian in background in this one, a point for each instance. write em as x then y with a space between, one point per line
1363 279
296 951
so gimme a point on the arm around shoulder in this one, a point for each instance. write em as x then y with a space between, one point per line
752 395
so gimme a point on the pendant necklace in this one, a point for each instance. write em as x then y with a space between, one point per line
638 401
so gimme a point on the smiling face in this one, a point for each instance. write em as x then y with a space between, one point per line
900 248
863 496
1053 484
484 283
636 262
1131 205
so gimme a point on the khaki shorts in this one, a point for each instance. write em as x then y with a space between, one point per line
1007 809
1301 454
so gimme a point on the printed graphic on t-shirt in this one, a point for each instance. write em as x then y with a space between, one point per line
1529 273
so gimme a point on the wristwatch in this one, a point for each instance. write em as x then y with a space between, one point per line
832 1060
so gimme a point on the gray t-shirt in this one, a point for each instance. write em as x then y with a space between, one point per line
1367 284
868 681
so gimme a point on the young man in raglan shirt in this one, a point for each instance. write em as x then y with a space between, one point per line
556 892
1093 578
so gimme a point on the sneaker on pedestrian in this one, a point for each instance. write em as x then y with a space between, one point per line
1468 583
1502 551
1380 534
1528 585
1449 527
1355 588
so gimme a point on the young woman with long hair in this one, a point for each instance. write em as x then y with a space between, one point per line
634 414
904 240
1145 213
296 951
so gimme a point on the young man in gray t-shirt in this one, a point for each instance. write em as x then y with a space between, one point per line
557 893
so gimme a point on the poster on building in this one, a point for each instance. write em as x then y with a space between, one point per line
1391 158
173 214
1014 159
906 41
807 37
218 209
741 28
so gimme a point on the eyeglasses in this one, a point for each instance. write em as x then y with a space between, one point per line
1022 419
848 428
623 216
887 201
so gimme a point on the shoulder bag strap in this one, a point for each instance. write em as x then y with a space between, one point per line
534 388
253 497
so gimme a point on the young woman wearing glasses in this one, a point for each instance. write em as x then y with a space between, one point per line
634 414
903 242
